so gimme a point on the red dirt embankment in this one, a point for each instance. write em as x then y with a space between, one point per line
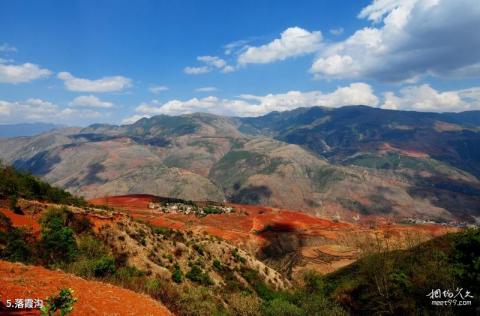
27 221
94 298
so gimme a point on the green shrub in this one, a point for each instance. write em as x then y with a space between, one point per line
199 248
153 286
238 257
162 231
199 301
217 265
281 307
62 302
16 184
17 247
466 258
57 241
212 210
177 275
196 274
124 274
91 247
104 266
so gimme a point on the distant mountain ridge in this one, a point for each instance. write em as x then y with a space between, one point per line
349 161
25 129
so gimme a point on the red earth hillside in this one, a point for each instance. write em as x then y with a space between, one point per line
322 244
94 298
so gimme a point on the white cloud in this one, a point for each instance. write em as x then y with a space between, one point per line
228 69
293 42
196 70
407 39
334 65
10 73
213 61
90 101
7 48
355 94
425 98
38 110
206 89
235 47
132 119
252 105
105 84
158 89
337 31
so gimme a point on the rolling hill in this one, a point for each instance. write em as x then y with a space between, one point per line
117 252
345 162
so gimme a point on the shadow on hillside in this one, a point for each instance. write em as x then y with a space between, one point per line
253 194
282 249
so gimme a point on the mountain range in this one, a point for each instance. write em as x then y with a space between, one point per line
344 162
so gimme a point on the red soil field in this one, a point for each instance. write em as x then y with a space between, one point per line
94 298
245 224
134 201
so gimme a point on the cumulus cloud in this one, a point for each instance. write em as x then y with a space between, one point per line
105 84
407 39
293 42
253 105
425 98
206 89
213 61
417 98
355 94
210 63
38 110
90 101
196 70
158 89
20 73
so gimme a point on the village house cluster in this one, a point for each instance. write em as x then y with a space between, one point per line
452 223
181 208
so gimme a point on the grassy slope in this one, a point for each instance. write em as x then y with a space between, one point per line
398 282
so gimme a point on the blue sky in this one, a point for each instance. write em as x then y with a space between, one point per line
80 62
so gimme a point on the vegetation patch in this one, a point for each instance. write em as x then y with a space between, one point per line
15 184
